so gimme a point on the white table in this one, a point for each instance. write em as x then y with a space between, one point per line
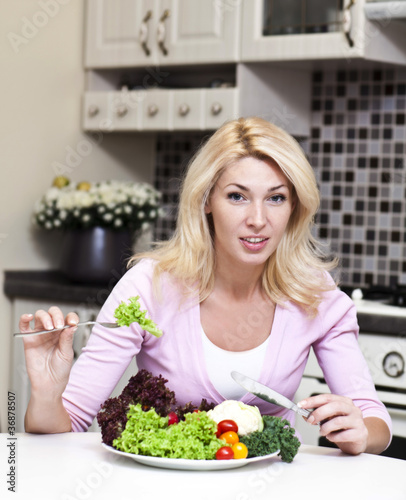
74 466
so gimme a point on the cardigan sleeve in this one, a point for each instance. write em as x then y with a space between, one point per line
340 358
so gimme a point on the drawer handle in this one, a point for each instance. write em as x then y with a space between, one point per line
144 33
93 110
184 109
121 110
216 108
348 22
152 110
161 32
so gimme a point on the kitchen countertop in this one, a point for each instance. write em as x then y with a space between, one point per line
75 465
53 285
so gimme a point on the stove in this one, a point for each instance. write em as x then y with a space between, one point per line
381 314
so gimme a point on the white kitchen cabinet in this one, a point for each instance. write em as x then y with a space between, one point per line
138 33
277 31
20 384
160 109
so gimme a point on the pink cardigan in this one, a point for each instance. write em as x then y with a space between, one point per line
178 354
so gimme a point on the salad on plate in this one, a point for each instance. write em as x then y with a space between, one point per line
145 421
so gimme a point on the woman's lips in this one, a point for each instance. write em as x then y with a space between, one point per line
255 243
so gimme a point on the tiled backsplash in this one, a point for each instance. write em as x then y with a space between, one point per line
358 149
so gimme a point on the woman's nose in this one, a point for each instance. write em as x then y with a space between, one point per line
256 215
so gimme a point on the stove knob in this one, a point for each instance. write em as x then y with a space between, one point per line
394 364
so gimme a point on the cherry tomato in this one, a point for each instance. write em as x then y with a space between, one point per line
230 437
225 426
240 450
224 453
172 418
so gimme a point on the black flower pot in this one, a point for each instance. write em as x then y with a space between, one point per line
97 255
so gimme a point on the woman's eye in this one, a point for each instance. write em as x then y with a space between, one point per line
235 196
277 198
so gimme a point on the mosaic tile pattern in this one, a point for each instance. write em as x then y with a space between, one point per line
358 149
174 151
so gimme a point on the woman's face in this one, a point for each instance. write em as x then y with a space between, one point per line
250 204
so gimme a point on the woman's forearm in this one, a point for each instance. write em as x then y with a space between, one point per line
46 415
378 435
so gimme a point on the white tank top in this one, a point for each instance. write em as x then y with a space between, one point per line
220 363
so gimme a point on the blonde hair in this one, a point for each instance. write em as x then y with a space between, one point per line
296 270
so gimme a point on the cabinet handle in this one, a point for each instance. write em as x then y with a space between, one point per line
184 109
347 22
121 110
161 32
216 108
144 33
93 110
152 110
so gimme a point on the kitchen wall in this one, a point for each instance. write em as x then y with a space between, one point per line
357 148
41 84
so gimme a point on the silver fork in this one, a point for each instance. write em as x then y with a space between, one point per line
83 323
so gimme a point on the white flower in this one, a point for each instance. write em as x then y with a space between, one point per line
97 205
145 226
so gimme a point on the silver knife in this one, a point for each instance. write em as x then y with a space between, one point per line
263 392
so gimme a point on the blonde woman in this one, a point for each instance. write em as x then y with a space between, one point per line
241 285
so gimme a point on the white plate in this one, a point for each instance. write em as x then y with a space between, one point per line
186 464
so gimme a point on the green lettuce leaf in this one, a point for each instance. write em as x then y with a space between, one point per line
132 313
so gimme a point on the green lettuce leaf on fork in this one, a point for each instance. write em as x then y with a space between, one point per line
126 314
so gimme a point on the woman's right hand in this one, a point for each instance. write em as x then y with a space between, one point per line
49 356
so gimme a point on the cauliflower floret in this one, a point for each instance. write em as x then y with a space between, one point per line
248 418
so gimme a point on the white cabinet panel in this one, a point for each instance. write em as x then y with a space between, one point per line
258 46
96 111
124 33
156 111
119 33
352 37
187 109
219 106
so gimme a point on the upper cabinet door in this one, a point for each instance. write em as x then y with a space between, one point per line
119 33
275 30
133 33
197 31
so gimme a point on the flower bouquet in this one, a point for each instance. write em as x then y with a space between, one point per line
110 204
100 222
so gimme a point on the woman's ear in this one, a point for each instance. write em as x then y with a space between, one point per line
207 209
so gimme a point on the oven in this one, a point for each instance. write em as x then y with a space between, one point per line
382 340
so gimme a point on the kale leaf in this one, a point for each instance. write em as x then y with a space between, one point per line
277 435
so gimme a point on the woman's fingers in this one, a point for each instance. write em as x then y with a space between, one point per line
72 319
24 323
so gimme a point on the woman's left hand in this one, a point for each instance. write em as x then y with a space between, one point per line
341 422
